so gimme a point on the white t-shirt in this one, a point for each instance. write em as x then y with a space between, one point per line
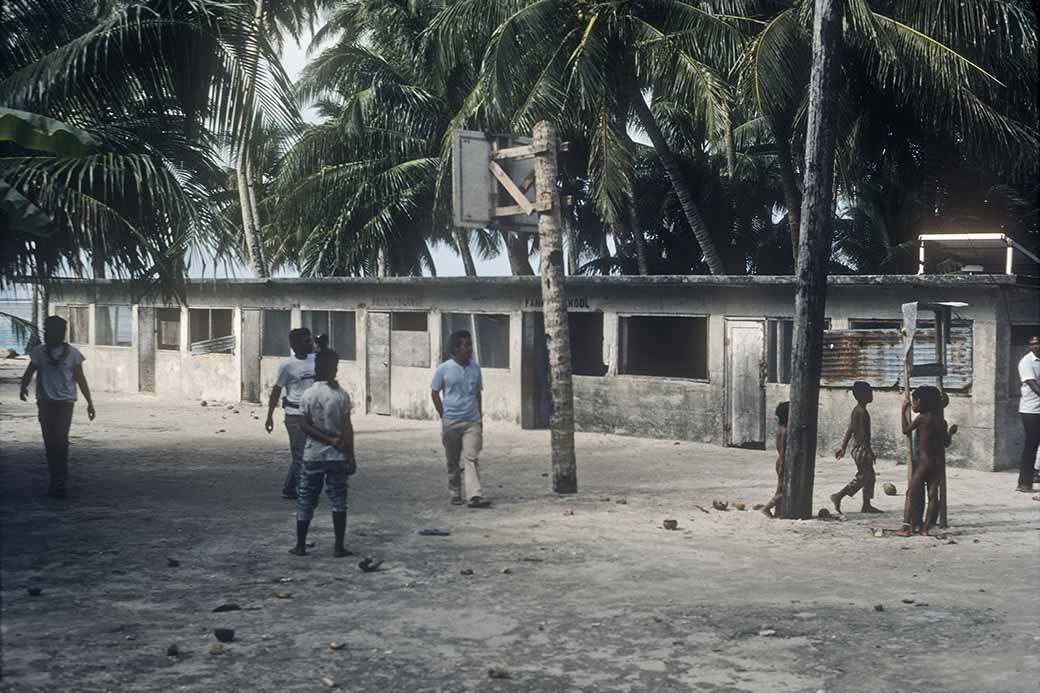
55 371
325 408
295 376
1029 369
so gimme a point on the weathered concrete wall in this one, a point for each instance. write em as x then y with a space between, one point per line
410 392
110 368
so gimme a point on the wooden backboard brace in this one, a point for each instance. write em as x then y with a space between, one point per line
493 181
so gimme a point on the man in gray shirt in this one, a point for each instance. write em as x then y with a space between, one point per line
461 412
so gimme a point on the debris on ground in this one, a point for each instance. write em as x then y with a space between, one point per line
568 513
670 524
740 505
230 606
173 650
34 591
216 649
337 645
329 683
758 506
622 501
879 607
908 601
890 489
369 565
702 509
823 514
507 571
466 571
282 595
499 673
766 632
719 505
204 403
434 532
172 562
224 634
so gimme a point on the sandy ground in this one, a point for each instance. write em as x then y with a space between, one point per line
578 593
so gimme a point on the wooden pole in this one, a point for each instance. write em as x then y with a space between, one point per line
910 436
814 254
554 307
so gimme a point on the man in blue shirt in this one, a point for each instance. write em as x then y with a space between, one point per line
461 412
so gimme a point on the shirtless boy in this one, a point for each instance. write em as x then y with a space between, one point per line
862 453
782 412
931 463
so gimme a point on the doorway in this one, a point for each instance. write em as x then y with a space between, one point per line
745 384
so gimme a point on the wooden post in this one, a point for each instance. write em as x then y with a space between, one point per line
557 335
814 254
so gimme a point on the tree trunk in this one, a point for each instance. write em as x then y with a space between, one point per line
462 245
516 251
572 247
554 307
637 236
428 259
813 257
243 163
682 190
381 263
789 183
731 150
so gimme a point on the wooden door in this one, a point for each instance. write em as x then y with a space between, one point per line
745 384
250 331
378 360
146 337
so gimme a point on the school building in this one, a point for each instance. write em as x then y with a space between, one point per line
696 358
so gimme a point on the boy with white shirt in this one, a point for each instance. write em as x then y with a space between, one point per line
1029 411
295 376
461 412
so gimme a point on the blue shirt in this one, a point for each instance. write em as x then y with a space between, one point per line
461 386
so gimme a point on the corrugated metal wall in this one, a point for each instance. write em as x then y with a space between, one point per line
876 356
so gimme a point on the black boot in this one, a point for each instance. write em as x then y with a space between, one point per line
301 538
339 526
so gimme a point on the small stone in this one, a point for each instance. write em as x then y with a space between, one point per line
231 407
879 607
605 499
545 473
908 601
823 514
499 673
34 591
234 411
224 634
568 513
507 571
173 650
282 595
230 606
670 524
216 649
740 505
204 403
172 562
337 645
622 501
221 430
921 604
767 632
466 571
329 683
952 541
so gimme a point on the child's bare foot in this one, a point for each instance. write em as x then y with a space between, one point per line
342 552
904 531
836 499
298 550
868 508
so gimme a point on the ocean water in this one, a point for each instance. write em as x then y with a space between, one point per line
22 309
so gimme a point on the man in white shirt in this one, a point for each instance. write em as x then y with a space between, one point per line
295 376
1029 410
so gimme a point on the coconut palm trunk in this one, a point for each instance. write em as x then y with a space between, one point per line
462 244
243 164
679 184
557 333
516 252
789 182
813 257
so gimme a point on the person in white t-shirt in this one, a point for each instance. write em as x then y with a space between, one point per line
328 456
295 376
1029 410
60 369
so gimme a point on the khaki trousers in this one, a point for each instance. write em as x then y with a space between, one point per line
463 441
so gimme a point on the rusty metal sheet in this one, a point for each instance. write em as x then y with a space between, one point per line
876 356
220 345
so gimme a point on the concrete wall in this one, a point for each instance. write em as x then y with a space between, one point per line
636 405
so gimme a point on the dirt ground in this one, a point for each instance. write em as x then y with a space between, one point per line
577 593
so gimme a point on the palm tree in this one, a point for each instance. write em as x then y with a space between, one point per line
361 190
142 92
590 67
915 79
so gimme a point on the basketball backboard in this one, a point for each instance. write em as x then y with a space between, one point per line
479 195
